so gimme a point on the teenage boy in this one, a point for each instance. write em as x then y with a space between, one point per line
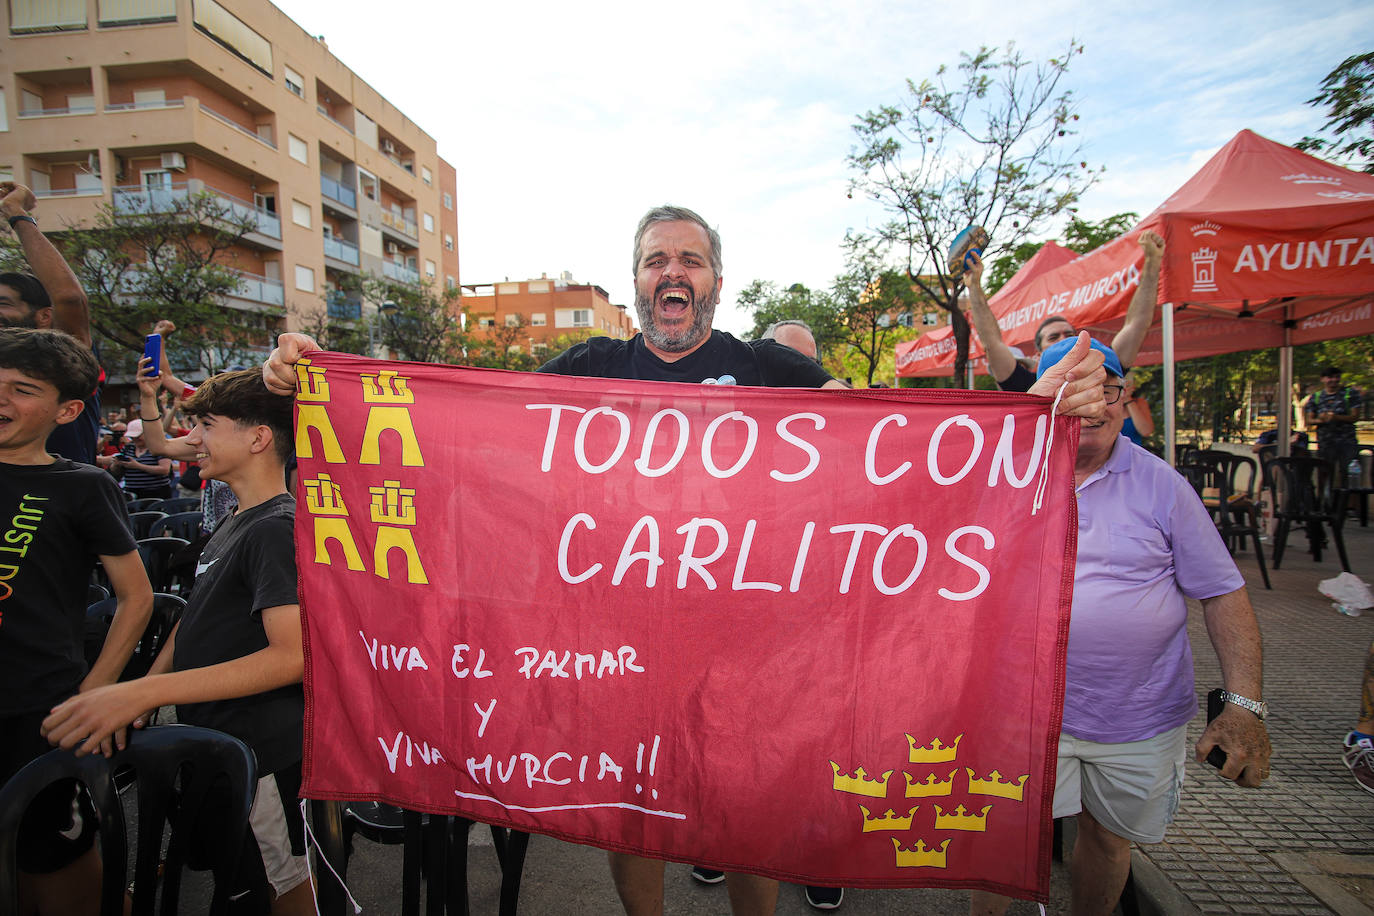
58 517
234 662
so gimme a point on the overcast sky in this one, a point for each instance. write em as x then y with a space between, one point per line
566 121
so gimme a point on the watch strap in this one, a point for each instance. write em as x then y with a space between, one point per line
1258 707
22 218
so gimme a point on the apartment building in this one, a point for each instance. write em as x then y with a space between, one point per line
137 102
547 308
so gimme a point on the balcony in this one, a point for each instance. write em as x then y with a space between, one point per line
55 112
340 250
338 193
400 273
138 199
238 127
344 306
146 106
400 225
324 113
259 289
95 191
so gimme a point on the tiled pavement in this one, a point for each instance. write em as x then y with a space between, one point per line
1302 843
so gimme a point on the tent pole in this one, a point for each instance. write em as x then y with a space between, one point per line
1284 403
1170 400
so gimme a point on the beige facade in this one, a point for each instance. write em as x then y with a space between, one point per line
132 101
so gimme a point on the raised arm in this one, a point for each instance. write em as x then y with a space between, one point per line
279 372
71 312
1001 361
150 412
1141 312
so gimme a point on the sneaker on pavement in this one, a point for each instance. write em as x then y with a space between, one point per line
827 898
1359 756
707 875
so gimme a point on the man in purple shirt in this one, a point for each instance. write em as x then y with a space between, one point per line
1145 545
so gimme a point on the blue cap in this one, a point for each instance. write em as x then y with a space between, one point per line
1055 352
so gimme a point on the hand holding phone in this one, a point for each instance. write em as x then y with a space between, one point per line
1216 756
152 349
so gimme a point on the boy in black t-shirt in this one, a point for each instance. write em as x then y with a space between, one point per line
58 516
234 662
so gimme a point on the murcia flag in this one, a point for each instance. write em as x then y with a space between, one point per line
813 635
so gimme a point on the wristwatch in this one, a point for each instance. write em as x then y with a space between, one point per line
1258 707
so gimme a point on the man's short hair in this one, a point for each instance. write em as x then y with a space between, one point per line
670 214
29 289
1331 372
52 356
242 397
772 332
1049 321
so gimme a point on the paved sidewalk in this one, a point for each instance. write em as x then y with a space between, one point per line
1303 842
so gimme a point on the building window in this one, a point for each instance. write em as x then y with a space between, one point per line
300 213
429 223
47 15
232 32
448 201
135 12
930 319
539 319
582 318
426 175
448 242
294 81
513 321
450 281
297 148
486 322
430 268
305 279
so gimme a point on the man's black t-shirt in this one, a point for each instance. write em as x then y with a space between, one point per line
248 566
755 362
57 519
1021 379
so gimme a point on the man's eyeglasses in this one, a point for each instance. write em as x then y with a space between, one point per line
1112 393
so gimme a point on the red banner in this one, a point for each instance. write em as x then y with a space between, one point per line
813 635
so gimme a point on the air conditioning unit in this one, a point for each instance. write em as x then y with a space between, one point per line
174 161
392 248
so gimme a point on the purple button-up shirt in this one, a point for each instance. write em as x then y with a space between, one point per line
1144 543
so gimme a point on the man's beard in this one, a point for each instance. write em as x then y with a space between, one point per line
29 320
703 313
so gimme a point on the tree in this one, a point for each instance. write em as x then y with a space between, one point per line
157 255
876 306
341 335
418 323
769 304
1080 235
997 149
1348 96
502 346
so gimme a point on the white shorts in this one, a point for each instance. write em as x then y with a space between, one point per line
1132 789
267 820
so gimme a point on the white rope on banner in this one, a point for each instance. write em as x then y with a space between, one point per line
1049 441
311 839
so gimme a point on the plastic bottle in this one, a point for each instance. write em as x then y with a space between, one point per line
1353 473
1349 611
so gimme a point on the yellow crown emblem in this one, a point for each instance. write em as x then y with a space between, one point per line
934 752
919 856
959 819
1012 788
889 821
859 783
931 785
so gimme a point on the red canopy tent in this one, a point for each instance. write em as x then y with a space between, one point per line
1265 246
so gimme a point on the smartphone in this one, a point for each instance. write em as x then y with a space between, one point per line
152 348
1216 756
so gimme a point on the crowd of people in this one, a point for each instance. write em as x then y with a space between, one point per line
234 660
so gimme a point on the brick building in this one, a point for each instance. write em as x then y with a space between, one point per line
139 102
547 309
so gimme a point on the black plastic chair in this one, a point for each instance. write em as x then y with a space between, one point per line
167 610
1359 490
1300 488
142 523
145 504
435 849
158 554
96 593
184 525
177 768
178 504
1230 482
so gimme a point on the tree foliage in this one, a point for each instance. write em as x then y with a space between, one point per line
417 323
1347 94
769 304
1080 235
158 256
991 144
502 346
